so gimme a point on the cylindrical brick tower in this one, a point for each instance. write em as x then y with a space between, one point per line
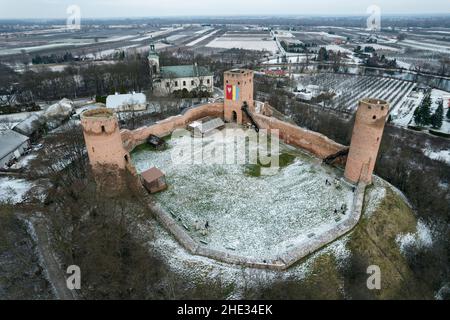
103 139
238 88
366 138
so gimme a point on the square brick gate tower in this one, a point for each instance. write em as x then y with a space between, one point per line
238 89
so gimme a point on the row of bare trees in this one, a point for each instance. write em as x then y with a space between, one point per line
131 74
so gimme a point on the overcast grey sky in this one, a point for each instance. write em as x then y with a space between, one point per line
144 8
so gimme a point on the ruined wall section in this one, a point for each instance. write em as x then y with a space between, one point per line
313 142
131 139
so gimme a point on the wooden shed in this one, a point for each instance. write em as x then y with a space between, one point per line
154 180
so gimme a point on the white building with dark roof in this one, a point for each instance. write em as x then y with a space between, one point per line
167 79
12 146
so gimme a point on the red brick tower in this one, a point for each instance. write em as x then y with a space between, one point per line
103 139
367 133
238 88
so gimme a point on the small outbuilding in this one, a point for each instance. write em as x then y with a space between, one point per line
154 180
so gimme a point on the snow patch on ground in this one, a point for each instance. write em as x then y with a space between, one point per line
403 64
374 196
402 113
441 155
339 250
13 190
336 48
422 238
24 161
443 292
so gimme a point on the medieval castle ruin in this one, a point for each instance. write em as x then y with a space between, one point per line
107 145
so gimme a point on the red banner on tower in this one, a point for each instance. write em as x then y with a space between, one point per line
229 92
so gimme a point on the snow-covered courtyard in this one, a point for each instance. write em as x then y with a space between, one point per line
249 213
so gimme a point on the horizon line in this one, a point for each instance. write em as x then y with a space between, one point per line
316 15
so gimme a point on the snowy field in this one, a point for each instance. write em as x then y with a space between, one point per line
248 214
176 37
159 33
321 34
196 41
426 46
249 42
203 30
57 45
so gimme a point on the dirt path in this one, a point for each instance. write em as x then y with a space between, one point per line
56 276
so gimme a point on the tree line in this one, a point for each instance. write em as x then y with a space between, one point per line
124 74
53 58
130 74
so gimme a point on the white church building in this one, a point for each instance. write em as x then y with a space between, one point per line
167 79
